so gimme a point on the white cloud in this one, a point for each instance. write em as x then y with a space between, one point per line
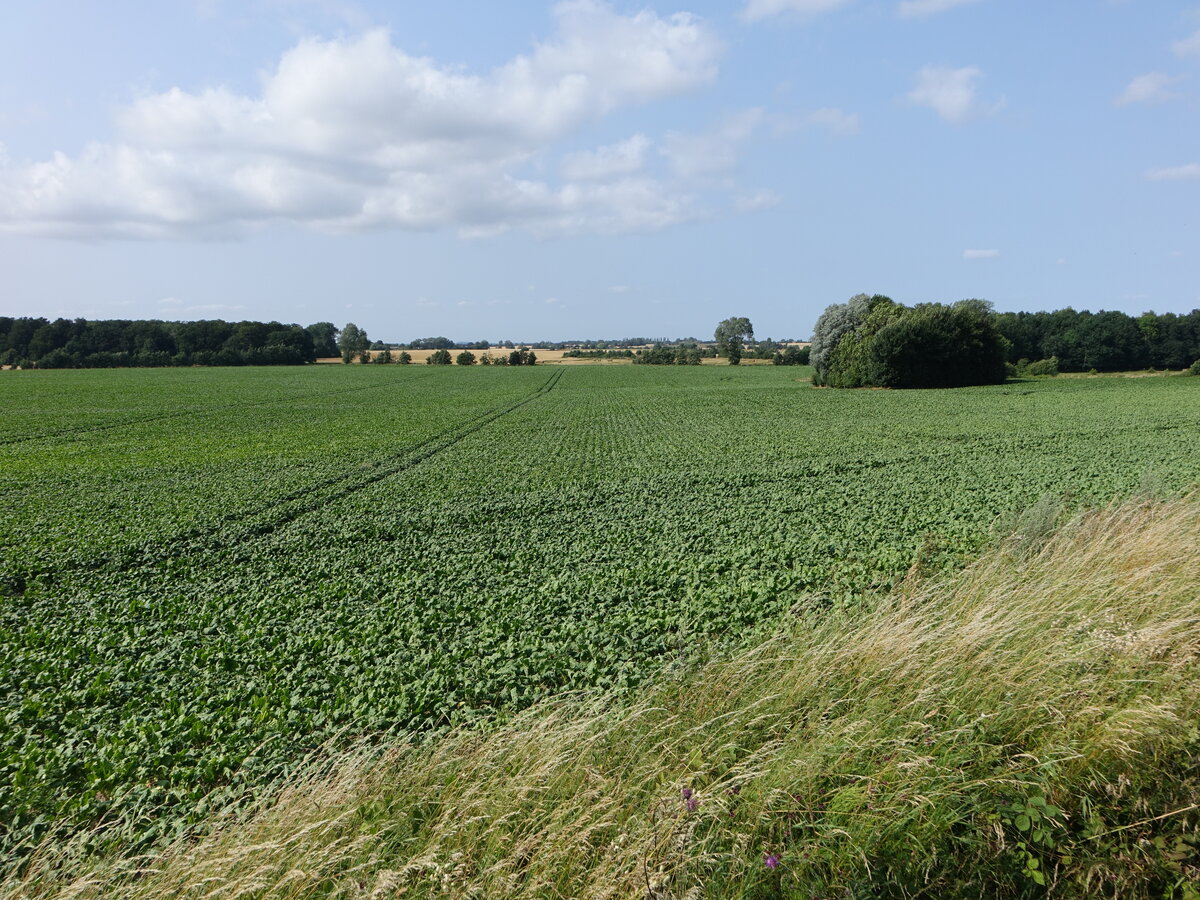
950 92
840 124
911 9
764 9
171 301
1153 87
354 133
756 200
1175 173
714 152
980 254
1189 46
622 158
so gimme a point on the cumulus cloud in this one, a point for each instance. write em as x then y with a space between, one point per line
1175 173
1153 87
354 133
604 162
951 93
764 9
839 123
1189 46
911 9
980 254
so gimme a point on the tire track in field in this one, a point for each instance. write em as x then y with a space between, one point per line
282 511
72 433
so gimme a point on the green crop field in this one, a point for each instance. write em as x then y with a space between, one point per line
207 574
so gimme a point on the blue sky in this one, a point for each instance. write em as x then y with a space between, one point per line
585 169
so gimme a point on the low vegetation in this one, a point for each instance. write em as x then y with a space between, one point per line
352 553
1027 727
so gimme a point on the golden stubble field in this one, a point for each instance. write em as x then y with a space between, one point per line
548 356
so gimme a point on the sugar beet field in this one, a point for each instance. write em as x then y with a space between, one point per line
208 574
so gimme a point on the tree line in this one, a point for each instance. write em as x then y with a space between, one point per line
109 343
874 341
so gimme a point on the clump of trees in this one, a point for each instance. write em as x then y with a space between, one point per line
438 358
666 355
874 341
791 356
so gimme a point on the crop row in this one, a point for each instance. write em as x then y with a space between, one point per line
551 540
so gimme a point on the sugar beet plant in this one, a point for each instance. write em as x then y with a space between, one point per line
206 580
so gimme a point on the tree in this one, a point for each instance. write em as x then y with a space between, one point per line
405 358
352 342
438 358
466 358
324 338
384 358
731 336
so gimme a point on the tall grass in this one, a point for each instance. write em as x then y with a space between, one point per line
1026 727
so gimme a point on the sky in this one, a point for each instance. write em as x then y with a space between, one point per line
585 169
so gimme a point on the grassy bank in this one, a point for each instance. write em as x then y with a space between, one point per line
1026 727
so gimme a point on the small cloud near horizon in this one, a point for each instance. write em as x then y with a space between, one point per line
1175 173
913 9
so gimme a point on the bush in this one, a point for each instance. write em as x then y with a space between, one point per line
438 358
1194 368
466 358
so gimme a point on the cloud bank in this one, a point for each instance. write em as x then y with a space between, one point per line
353 134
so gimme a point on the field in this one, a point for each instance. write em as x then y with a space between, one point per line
208 574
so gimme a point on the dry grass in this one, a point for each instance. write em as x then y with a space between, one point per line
886 752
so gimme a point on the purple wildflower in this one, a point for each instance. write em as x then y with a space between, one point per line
692 803
687 793
771 861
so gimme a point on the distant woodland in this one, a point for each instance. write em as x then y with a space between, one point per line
1073 341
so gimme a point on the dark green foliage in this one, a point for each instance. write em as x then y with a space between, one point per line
1037 367
384 358
1104 341
1194 368
522 356
597 354
466 358
438 358
432 343
933 345
83 344
731 336
324 338
791 356
352 342
666 355
874 341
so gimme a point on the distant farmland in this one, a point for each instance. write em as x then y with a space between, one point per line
208 573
